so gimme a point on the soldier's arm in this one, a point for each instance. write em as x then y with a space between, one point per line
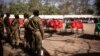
24 24
30 25
4 22
14 25
41 29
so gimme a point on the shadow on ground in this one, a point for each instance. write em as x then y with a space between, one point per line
45 52
21 51
65 33
27 51
50 32
91 37
88 54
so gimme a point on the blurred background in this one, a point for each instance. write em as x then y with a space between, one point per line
51 7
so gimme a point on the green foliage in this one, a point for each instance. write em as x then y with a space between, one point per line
18 8
33 4
52 10
66 7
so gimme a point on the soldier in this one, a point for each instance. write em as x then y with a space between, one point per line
1 34
37 33
27 30
7 27
1 26
15 31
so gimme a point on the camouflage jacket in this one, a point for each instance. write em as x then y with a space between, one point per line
35 24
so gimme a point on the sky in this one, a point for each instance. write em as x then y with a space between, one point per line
91 2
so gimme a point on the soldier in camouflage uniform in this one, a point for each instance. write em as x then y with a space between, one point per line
7 27
27 30
1 33
1 26
37 33
15 31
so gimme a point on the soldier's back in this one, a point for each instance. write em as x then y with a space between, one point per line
6 21
35 22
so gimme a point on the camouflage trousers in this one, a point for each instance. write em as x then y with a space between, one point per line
36 44
15 37
8 32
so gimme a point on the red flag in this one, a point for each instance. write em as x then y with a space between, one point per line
79 24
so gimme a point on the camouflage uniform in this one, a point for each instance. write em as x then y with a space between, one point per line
37 34
27 32
1 35
15 32
8 28
1 28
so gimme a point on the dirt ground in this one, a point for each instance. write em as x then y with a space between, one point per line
63 44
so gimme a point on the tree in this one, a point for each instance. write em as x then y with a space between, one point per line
74 7
33 4
47 8
18 8
1 6
63 9
97 5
